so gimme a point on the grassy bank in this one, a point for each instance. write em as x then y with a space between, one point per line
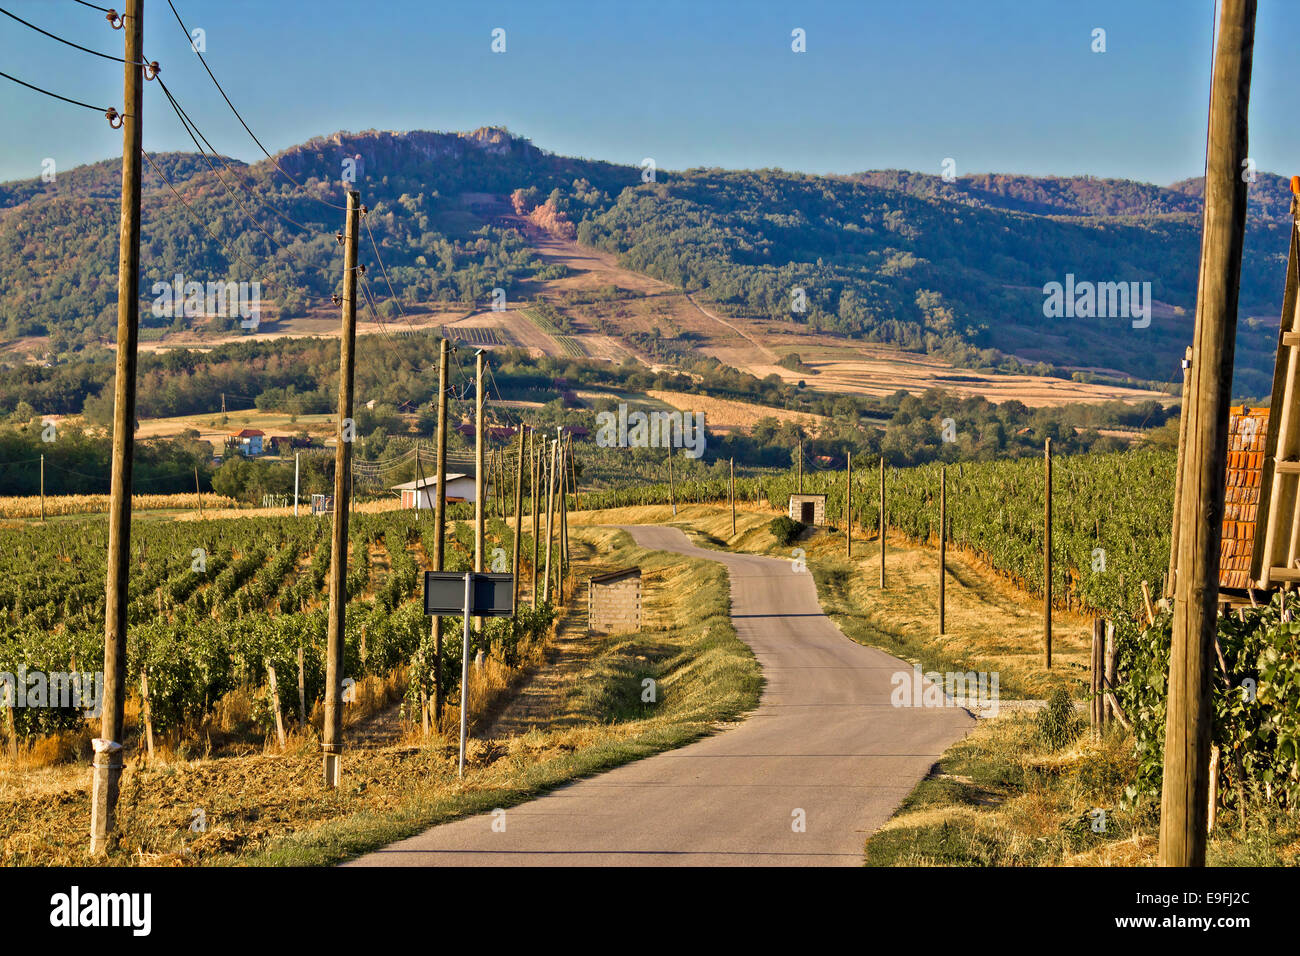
1011 794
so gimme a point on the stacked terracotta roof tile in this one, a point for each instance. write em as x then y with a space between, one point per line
1247 434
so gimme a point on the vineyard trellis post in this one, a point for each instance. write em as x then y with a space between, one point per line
332 737
563 564
440 526
196 471
107 764
573 472
297 456
1186 785
1047 552
198 492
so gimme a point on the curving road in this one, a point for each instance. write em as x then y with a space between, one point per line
824 740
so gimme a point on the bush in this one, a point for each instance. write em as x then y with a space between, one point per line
786 529
1059 723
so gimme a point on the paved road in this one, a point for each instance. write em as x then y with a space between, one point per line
823 740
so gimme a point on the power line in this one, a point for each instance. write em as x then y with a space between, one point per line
191 125
94 7
110 113
188 38
32 26
247 215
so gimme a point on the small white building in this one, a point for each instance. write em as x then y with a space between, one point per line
420 493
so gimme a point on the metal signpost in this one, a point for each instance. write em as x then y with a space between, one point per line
449 593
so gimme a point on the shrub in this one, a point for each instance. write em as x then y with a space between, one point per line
1059 723
786 529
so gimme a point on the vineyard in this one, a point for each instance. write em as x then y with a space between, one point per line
568 344
471 335
213 604
1110 528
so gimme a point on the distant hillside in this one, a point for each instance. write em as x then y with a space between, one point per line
896 257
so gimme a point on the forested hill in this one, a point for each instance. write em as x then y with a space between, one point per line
954 268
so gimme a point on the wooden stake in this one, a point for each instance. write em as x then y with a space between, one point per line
146 709
536 466
550 522
1095 711
275 702
1185 793
1110 660
1146 601
332 735
107 764
302 691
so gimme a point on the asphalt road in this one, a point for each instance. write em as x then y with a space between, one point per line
824 746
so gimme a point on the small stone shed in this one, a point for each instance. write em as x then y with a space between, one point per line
614 602
808 509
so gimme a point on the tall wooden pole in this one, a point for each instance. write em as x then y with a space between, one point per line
196 471
562 565
882 522
440 526
1047 552
672 492
943 540
799 466
479 477
535 463
550 522
573 472
731 493
1185 794
1178 475
107 765
848 506
332 738
519 519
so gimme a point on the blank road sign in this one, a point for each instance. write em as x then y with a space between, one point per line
492 595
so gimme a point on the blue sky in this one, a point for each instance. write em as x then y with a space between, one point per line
999 86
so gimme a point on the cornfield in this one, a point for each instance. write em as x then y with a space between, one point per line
29 506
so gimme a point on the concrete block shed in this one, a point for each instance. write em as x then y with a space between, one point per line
808 509
614 602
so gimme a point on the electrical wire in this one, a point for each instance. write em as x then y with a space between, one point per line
32 26
222 91
97 109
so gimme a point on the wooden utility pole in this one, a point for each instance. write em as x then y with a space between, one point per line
550 522
799 466
848 506
943 540
479 478
296 496
672 492
731 492
107 764
440 526
1047 552
535 464
519 517
573 471
882 522
562 564
43 486
1178 475
1185 794
198 493
332 738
